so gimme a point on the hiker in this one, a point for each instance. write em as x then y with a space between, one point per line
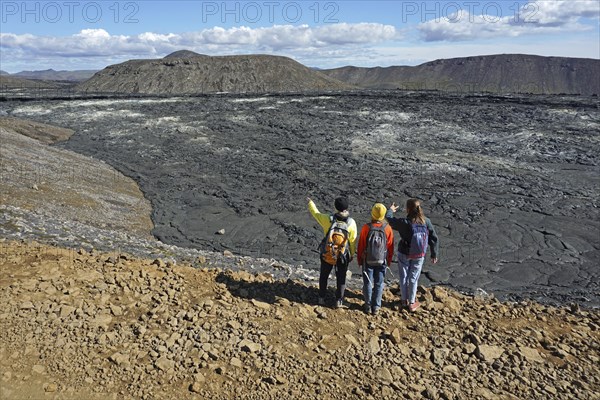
337 247
416 233
374 256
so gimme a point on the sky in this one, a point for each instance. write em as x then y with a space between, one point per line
71 34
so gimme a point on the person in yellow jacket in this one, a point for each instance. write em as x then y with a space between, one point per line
326 220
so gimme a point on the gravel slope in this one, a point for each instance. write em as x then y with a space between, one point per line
61 183
79 324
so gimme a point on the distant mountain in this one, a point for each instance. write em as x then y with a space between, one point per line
185 54
12 82
3 72
185 72
503 73
52 75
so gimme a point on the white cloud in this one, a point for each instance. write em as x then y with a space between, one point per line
561 12
98 42
539 17
343 33
414 55
93 34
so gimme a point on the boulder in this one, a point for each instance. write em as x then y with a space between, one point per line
395 336
164 364
531 354
489 353
249 346
373 345
119 358
385 376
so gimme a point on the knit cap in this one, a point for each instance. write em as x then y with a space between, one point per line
341 204
378 212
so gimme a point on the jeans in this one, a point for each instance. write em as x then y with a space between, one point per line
373 285
340 275
409 271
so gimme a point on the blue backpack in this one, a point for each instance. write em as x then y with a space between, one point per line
418 242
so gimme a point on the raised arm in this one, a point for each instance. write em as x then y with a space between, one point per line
398 224
322 219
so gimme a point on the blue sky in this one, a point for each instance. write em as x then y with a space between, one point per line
92 34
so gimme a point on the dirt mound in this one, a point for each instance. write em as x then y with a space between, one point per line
72 187
502 73
75 324
202 74
44 133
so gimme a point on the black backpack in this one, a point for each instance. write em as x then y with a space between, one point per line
376 252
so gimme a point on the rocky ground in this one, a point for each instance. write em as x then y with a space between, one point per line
510 182
96 325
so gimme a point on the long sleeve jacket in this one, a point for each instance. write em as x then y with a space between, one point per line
362 243
404 228
325 221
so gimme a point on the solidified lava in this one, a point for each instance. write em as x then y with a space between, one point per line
511 183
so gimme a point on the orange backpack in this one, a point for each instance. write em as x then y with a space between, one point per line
335 243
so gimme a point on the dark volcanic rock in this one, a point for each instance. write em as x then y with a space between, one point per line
503 73
185 73
509 182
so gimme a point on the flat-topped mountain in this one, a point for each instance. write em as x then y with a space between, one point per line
185 72
502 73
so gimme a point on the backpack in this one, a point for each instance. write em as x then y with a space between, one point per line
335 243
418 242
376 254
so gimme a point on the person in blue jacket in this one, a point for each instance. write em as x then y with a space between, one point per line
416 234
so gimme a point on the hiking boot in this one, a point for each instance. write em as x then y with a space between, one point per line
367 308
339 304
413 307
321 301
375 311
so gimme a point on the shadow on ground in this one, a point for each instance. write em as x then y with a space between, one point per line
261 288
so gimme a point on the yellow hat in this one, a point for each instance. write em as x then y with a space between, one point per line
378 212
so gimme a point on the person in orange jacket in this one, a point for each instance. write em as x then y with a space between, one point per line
374 256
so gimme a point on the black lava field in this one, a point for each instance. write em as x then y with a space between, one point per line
510 183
